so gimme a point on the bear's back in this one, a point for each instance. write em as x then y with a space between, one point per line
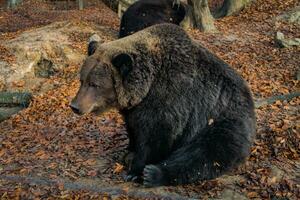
145 13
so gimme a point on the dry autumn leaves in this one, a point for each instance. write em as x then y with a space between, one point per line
46 151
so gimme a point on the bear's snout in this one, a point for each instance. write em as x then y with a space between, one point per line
75 108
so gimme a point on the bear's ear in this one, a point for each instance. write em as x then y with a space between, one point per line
92 47
94 42
123 63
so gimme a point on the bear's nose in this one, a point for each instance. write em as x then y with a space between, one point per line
75 108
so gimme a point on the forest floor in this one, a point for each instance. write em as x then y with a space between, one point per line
47 152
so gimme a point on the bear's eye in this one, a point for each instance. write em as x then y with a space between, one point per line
91 84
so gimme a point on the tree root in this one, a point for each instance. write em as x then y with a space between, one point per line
273 99
92 187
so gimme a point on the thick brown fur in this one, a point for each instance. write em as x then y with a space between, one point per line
188 114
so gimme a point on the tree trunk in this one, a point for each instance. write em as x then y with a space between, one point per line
231 7
12 3
80 4
189 19
202 17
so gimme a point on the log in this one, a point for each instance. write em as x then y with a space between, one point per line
6 112
11 99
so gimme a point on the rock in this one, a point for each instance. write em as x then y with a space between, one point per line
286 43
292 16
5 73
44 68
42 52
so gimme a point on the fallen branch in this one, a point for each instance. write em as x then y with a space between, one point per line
6 112
273 99
15 99
92 187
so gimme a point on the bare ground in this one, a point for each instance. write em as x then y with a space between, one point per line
47 152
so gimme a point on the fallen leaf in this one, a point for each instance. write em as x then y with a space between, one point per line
118 168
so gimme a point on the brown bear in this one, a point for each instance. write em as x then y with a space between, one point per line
188 114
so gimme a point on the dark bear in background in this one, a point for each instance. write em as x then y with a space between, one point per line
145 13
188 114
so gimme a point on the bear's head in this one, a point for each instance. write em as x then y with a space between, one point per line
118 75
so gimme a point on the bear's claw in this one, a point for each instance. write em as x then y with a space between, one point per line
132 178
153 176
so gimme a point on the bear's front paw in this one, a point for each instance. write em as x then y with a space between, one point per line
153 176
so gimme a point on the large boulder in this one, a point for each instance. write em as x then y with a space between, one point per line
41 52
289 20
292 16
285 42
